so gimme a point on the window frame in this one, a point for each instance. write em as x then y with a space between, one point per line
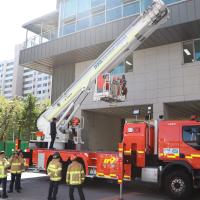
197 147
193 47
197 39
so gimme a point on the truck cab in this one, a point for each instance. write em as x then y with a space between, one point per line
166 152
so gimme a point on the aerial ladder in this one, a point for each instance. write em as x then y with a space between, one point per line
130 39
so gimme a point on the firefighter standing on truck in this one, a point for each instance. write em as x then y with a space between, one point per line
4 164
54 170
53 132
16 170
75 178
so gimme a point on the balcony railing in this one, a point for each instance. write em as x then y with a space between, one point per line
98 15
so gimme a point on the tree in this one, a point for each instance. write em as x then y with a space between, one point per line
18 116
29 117
9 110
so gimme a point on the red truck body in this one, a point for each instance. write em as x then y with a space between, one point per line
164 149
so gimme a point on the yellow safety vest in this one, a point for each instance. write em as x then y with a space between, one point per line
4 164
54 170
75 174
16 165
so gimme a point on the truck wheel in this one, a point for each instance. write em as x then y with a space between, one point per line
178 185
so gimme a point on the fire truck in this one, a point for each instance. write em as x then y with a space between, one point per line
166 152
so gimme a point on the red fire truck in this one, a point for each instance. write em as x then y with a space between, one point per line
167 153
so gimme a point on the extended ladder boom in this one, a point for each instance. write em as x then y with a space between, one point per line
125 44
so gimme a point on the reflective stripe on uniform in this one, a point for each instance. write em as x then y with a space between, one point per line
16 172
55 178
16 164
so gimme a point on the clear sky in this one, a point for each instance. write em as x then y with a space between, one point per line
14 13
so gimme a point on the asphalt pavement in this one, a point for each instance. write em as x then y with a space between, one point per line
35 187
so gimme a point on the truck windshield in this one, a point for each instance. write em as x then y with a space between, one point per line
190 134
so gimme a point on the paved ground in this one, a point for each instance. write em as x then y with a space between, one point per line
36 188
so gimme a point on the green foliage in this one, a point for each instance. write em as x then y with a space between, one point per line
18 117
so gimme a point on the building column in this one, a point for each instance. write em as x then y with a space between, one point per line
158 109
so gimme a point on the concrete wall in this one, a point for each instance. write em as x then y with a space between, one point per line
17 89
63 76
80 67
159 76
101 132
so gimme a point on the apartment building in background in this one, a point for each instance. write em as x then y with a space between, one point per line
6 78
16 80
163 73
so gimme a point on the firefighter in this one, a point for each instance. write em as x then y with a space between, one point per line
4 164
54 170
16 170
22 160
75 177
53 132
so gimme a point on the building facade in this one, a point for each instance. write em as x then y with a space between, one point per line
36 83
163 73
16 80
6 78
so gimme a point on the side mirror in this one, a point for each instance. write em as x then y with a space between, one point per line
198 139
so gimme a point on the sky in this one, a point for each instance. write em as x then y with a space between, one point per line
15 13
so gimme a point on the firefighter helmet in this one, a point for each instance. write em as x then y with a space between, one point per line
56 155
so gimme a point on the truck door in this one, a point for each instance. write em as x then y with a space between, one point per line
169 140
189 147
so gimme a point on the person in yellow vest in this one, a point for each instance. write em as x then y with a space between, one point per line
22 160
75 178
4 164
16 170
54 170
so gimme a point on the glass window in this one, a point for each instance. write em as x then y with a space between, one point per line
171 1
129 64
145 4
84 8
113 14
197 49
7 81
190 134
68 28
96 3
8 75
113 3
27 82
131 9
98 19
188 53
9 69
83 24
120 69
8 86
11 63
69 8
7 92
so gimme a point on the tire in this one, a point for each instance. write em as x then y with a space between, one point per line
178 184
